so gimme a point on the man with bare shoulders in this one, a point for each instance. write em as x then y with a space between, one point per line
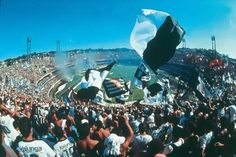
86 145
99 131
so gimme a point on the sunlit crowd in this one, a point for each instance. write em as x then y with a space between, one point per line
33 124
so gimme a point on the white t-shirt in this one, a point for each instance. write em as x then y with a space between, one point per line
35 148
9 130
141 141
64 148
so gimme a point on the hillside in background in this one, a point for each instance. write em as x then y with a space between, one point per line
122 55
51 72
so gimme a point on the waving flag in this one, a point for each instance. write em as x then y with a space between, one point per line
155 37
141 74
154 89
115 87
187 73
124 97
92 82
190 76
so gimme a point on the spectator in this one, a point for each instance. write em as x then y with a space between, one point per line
116 145
65 146
86 145
7 121
155 148
141 141
100 132
30 146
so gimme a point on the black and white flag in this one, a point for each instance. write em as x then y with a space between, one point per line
115 87
92 82
142 74
155 37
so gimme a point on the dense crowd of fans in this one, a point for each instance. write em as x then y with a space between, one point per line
35 125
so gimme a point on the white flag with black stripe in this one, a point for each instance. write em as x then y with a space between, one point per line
155 37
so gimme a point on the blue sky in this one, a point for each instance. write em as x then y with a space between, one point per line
108 23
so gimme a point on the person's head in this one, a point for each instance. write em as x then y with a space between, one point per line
98 125
61 113
158 120
58 132
154 147
108 123
143 128
84 130
25 127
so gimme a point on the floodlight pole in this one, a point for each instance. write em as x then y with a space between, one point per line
58 46
213 44
184 43
28 49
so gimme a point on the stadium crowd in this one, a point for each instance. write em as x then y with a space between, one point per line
34 125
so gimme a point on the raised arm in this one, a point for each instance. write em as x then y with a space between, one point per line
130 136
11 113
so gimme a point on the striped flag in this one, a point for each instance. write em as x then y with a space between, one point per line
124 97
114 87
